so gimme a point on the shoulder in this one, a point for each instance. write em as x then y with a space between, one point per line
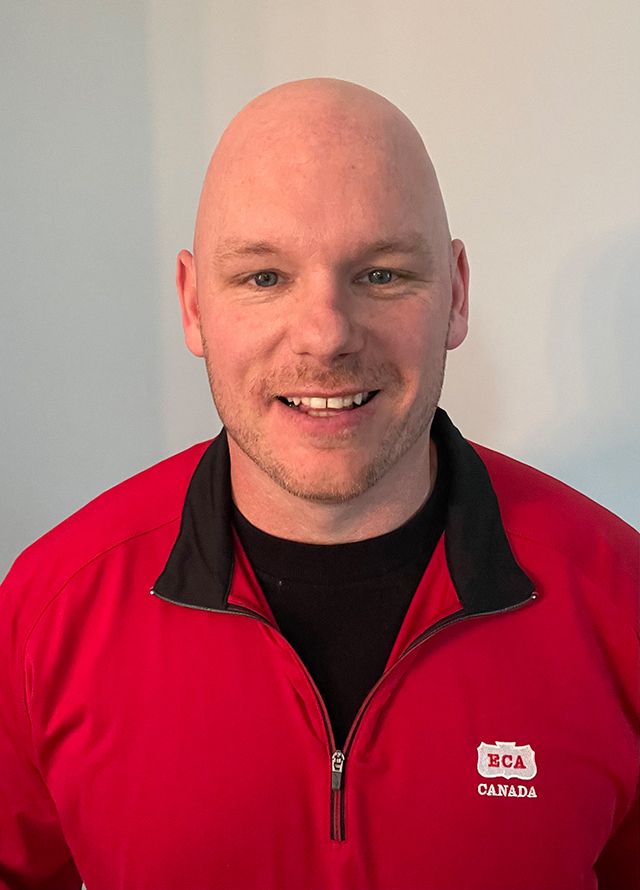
535 504
134 509
543 516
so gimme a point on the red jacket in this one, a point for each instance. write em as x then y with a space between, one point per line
176 740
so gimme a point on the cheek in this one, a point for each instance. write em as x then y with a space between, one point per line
414 341
236 343
241 363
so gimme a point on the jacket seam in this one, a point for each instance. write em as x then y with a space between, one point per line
617 606
60 591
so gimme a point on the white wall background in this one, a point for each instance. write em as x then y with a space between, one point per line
529 109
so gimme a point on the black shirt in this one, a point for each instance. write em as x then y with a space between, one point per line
341 605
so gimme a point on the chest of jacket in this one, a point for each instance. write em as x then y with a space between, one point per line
206 758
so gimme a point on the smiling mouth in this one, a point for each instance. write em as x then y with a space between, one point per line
327 406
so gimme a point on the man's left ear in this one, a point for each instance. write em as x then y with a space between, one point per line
459 315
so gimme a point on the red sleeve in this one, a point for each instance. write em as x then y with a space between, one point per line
33 851
618 867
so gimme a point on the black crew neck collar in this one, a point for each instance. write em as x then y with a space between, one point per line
355 561
484 572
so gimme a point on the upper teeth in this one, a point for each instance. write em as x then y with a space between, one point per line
331 402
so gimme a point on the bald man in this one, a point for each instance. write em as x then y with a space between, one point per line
374 655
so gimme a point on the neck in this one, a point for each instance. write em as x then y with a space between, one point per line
390 503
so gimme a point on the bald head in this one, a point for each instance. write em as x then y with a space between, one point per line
318 143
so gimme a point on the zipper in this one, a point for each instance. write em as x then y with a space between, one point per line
337 808
338 795
338 758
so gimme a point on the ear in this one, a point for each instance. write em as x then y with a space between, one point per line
459 315
188 293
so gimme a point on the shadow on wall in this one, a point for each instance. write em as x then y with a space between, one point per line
591 441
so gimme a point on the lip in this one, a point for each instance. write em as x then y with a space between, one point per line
325 426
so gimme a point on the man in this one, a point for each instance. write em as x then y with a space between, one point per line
374 656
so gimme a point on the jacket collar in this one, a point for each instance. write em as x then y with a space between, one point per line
482 566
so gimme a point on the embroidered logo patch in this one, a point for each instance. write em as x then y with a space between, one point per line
506 759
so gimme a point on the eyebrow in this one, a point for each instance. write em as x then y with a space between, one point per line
413 243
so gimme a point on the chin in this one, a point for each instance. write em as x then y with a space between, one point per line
327 491
331 480
337 486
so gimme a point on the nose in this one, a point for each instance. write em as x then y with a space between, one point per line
324 323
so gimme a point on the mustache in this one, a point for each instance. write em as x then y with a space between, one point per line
355 376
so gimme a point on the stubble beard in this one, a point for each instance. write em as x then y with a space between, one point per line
401 436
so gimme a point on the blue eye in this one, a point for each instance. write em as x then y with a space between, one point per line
265 279
380 276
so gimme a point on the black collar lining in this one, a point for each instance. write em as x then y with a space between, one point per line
483 569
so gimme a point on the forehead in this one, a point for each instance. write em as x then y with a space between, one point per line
316 201
316 179
228 249
310 172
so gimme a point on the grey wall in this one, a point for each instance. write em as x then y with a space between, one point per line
79 315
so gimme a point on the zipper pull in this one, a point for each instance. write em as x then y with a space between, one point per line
337 765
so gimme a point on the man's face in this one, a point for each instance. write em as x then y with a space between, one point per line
320 275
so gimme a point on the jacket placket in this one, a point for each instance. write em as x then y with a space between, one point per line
247 598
